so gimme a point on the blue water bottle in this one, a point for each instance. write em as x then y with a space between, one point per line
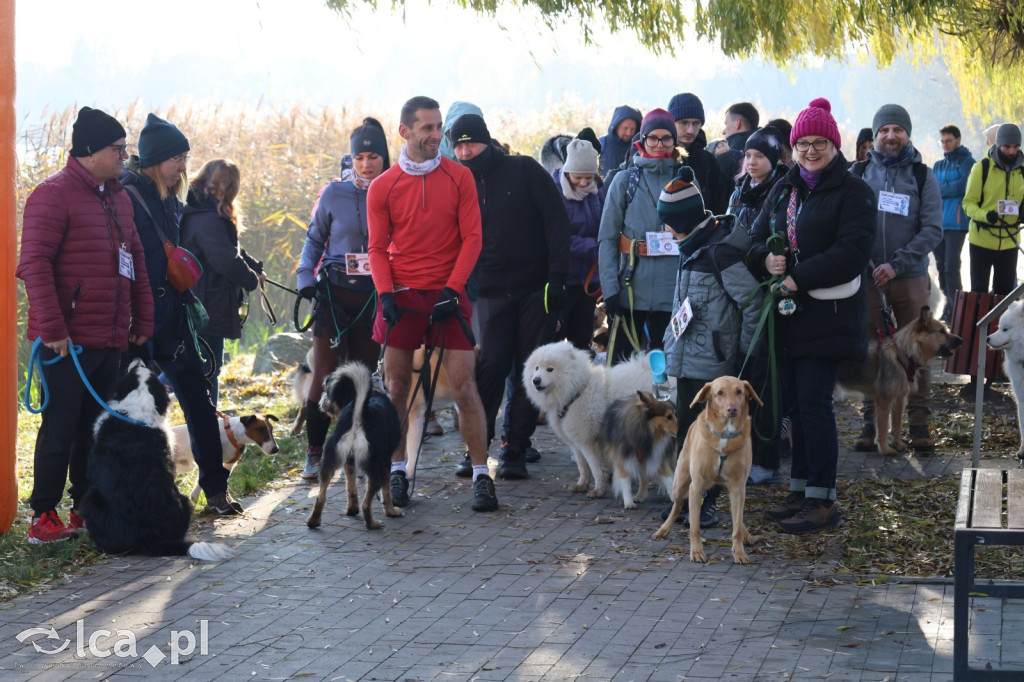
659 380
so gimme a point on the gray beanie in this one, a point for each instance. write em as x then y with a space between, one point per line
1008 133
890 114
580 157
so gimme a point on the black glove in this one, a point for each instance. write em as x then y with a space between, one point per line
389 309
308 292
447 305
611 305
992 217
554 297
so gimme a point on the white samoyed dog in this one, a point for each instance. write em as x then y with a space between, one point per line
1009 338
562 381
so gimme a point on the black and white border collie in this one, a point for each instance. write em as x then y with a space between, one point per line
133 505
364 438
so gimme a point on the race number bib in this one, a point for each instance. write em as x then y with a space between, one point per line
661 244
1008 207
125 265
681 320
357 264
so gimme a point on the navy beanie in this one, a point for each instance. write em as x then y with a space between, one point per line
94 130
370 137
686 105
159 141
768 141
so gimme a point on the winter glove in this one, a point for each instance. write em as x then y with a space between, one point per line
389 309
611 305
447 305
554 297
308 292
992 217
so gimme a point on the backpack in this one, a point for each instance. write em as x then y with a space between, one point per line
985 163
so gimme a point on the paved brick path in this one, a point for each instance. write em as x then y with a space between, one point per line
550 587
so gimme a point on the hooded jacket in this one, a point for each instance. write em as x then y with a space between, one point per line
1001 183
525 226
613 150
69 263
951 173
904 242
227 268
835 230
654 275
454 111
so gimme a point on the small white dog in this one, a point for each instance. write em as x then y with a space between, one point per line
237 432
1009 338
562 381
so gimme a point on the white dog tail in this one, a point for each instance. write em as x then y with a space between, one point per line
210 551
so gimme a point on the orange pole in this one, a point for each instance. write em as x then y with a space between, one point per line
8 285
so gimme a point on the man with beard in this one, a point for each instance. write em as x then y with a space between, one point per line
521 273
688 112
909 227
424 239
615 145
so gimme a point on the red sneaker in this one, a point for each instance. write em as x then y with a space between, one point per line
48 528
75 522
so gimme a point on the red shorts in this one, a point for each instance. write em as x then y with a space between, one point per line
414 329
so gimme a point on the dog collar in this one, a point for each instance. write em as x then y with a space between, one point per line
727 435
231 438
565 410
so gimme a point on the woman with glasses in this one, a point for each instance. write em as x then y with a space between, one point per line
210 227
813 238
157 185
638 283
334 268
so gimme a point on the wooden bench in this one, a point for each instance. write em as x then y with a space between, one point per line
989 511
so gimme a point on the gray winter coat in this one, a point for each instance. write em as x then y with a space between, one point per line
654 275
717 338
905 241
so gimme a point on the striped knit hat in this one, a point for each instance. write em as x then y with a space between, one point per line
681 205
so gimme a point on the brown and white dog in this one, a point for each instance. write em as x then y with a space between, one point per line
639 432
717 450
235 434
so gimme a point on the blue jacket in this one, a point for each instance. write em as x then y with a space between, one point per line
952 172
584 223
614 150
338 227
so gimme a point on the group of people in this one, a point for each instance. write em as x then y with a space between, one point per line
108 251
460 241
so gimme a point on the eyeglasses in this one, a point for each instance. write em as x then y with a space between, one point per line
122 149
180 158
652 141
819 145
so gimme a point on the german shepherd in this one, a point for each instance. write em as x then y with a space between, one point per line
887 373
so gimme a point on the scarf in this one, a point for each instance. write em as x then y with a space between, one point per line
570 192
810 179
416 167
642 151
361 182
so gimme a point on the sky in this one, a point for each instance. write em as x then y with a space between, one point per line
274 54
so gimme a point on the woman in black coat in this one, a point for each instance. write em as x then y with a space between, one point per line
209 229
824 217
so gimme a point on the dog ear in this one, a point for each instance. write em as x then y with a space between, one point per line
271 418
751 393
247 419
926 314
702 397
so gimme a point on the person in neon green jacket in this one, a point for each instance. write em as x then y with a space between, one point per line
995 191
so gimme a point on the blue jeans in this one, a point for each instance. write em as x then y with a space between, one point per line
807 385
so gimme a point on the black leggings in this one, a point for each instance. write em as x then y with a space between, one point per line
1002 265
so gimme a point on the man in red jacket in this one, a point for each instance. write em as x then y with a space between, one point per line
424 239
85 275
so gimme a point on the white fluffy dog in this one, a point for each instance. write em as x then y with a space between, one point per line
1009 338
563 382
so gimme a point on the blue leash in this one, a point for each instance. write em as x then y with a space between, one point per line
35 360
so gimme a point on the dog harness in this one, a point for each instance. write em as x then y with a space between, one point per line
562 412
231 437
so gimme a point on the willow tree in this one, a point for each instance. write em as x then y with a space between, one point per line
981 41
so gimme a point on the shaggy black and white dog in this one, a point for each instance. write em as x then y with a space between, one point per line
133 505
364 438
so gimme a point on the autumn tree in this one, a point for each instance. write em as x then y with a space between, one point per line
980 41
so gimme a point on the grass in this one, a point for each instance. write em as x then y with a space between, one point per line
24 566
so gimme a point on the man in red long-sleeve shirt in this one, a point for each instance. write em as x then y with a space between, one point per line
424 239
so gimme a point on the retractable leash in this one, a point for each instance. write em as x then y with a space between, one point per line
44 390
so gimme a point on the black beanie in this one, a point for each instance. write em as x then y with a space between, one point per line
159 141
766 140
94 130
470 128
590 136
370 137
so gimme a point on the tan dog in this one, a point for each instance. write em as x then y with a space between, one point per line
887 374
717 450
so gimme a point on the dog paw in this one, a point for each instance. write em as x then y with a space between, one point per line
578 488
631 505
660 534
374 525
395 513
596 493
698 556
640 498
352 511
740 557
